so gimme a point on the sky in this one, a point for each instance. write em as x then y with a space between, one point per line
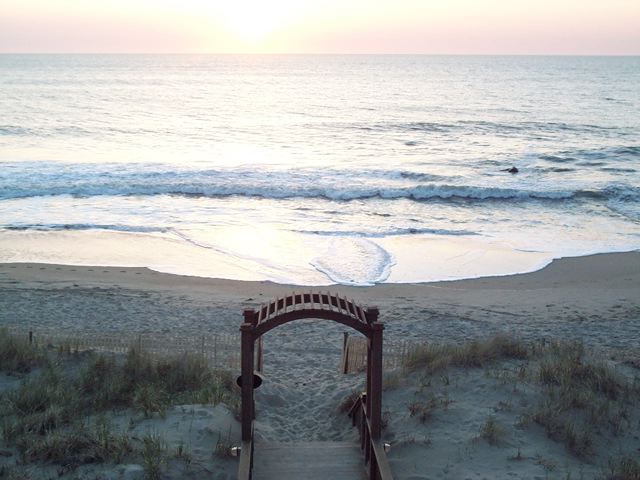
565 27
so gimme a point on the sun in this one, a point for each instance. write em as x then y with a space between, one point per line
253 20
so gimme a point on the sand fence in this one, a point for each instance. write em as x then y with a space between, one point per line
220 351
354 353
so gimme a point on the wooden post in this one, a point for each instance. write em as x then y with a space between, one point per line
345 353
246 351
369 369
375 400
259 354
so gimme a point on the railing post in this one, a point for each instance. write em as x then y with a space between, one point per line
246 351
345 353
374 402
259 353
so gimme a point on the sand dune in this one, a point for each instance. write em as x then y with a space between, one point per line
594 300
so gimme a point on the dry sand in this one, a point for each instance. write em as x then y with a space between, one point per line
594 299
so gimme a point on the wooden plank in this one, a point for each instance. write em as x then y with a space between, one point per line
352 309
312 304
310 461
340 307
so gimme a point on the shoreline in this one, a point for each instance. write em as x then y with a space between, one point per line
291 260
579 297
148 277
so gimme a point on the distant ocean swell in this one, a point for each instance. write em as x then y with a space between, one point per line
479 126
457 127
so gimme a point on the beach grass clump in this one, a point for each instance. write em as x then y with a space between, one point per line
153 456
45 416
223 446
567 368
77 445
580 397
15 473
625 468
492 431
151 385
477 353
150 399
423 411
43 403
17 355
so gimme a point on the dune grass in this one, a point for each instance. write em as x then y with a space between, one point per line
46 416
435 358
579 395
17 355
626 468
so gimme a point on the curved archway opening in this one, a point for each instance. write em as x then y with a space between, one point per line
311 305
304 387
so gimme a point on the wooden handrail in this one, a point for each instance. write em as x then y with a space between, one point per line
245 467
373 448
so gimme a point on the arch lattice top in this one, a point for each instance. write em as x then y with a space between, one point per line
301 305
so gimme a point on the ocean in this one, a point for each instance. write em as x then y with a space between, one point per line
316 170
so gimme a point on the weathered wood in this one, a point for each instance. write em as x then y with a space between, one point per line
372 449
326 314
375 372
384 470
308 461
247 380
319 459
245 466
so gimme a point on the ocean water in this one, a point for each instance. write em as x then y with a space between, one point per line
316 170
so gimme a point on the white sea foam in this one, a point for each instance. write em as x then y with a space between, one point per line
354 261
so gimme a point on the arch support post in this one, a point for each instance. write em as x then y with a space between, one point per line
246 352
374 402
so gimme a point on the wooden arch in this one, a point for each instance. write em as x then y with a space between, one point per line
311 305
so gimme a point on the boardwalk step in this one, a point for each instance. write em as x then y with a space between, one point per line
310 461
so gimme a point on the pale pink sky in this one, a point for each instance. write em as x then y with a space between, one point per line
329 26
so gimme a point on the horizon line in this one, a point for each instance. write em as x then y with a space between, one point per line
341 53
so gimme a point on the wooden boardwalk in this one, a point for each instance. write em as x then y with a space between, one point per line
308 461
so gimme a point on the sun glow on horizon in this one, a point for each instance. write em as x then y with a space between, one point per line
330 26
253 20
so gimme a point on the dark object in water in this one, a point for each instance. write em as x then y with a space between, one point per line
510 170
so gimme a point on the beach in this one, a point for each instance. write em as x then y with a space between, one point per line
592 300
